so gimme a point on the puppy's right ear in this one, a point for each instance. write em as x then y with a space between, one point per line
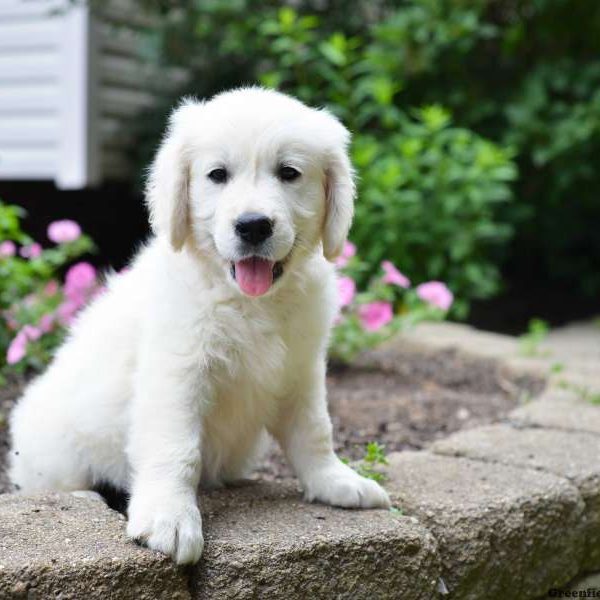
167 189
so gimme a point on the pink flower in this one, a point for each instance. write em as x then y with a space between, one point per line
374 315
67 310
32 251
63 231
32 333
46 323
393 276
8 248
346 291
80 280
436 293
17 349
347 253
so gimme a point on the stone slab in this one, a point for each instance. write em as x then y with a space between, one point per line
495 525
572 455
577 347
263 541
458 335
558 409
59 546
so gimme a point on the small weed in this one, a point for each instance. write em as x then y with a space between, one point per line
529 343
374 456
396 511
556 368
371 473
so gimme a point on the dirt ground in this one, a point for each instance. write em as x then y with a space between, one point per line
399 399
405 400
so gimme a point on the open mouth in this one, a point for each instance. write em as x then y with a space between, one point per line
255 275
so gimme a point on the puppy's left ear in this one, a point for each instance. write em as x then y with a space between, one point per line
339 195
167 190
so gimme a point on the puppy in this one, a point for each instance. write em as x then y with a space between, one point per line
216 334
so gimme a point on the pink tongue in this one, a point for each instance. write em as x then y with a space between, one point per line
254 275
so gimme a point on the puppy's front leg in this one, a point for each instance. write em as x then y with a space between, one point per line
164 451
304 432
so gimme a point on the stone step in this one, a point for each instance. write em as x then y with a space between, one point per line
496 525
558 409
264 541
59 546
468 527
572 455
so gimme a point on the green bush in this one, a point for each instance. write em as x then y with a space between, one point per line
526 75
428 196
428 190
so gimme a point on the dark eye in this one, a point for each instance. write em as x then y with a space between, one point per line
286 173
219 175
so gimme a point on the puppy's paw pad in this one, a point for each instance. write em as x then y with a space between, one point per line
170 527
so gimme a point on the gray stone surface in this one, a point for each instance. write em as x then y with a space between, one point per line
573 455
58 546
495 525
577 347
458 335
264 542
558 409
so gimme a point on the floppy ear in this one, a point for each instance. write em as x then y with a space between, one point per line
339 199
167 190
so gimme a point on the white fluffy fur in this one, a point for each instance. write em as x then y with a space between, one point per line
171 378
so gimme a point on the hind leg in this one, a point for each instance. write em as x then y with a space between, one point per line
43 454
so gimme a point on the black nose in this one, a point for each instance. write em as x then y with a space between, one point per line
254 228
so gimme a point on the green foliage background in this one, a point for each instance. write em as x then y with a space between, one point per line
476 122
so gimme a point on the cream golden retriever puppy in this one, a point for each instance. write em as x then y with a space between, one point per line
216 334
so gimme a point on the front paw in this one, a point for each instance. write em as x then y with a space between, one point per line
339 485
170 524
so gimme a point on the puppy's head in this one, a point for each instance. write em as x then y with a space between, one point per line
256 180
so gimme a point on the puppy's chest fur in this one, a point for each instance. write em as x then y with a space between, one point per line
249 345
248 365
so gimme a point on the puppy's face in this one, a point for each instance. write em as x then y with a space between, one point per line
257 195
257 180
